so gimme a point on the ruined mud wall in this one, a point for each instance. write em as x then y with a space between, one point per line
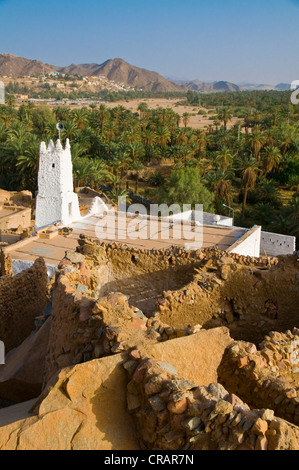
92 318
172 413
251 297
22 298
22 198
104 292
6 264
19 218
266 378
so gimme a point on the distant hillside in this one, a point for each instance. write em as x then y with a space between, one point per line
19 67
116 70
119 71
283 86
264 87
204 87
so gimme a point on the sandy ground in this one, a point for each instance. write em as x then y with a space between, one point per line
196 121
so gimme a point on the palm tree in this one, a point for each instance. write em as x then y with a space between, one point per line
270 159
119 193
143 110
137 167
249 168
199 138
224 158
27 163
288 140
186 118
148 137
115 181
2 132
10 101
70 131
61 113
220 182
130 136
103 116
224 115
256 140
80 118
163 136
99 173
179 137
51 130
135 151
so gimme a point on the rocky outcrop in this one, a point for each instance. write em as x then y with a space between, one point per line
132 401
84 406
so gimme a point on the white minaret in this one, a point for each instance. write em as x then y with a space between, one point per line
56 200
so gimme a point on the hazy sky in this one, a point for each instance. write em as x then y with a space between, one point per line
236 40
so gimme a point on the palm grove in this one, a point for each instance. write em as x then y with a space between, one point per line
252 167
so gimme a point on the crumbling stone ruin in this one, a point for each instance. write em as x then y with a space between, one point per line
172 413
159 350
22 299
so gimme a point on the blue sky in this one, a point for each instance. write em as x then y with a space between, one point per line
234 40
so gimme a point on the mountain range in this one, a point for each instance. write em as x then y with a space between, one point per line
120 71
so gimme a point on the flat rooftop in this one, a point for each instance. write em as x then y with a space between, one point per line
147 234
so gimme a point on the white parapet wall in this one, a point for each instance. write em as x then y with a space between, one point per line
97 207
274 244
249 244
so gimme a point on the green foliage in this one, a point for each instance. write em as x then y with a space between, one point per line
157 179
252 166
193 98
185 187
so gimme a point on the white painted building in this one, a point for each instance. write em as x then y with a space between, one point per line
56 201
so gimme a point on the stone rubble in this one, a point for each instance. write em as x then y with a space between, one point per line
166 318
174 414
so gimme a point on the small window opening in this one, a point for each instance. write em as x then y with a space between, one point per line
53 165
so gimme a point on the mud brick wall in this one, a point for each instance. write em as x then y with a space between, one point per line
6 264
87 325
164 294
171 413
22 298
19 218
265 378
251 297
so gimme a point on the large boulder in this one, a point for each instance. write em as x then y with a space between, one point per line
196 357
